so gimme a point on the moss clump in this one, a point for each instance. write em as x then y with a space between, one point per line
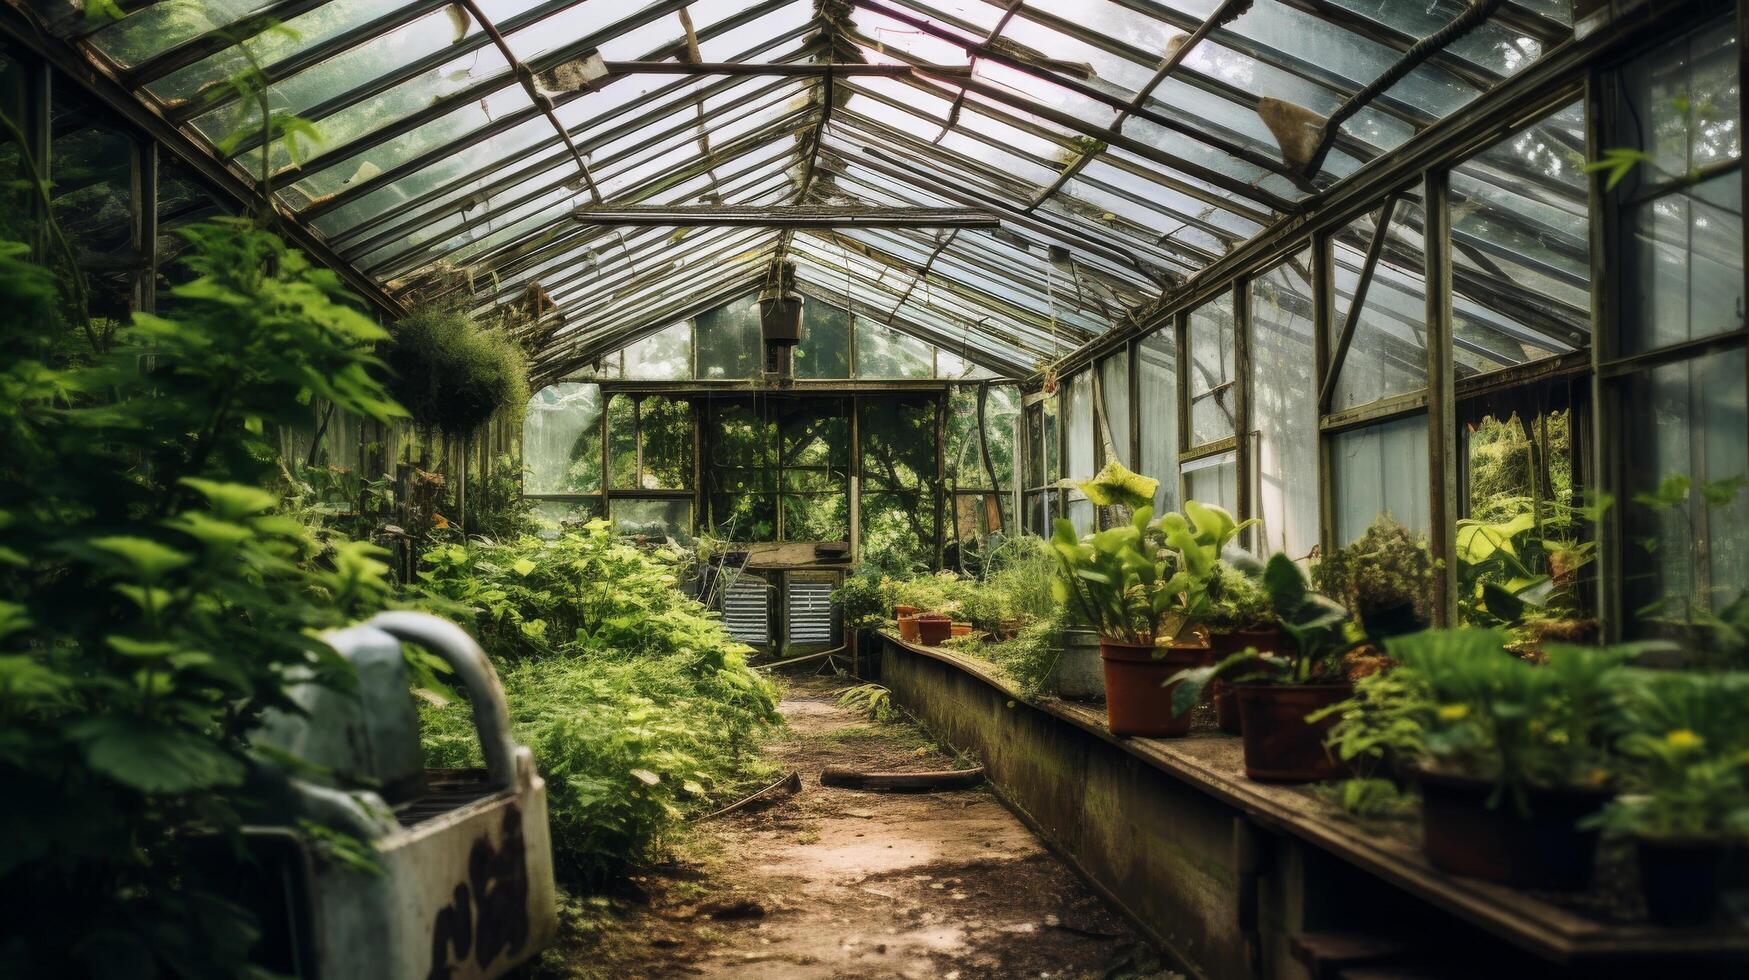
452 374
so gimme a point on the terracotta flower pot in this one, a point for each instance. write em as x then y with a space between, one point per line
1541 849
961 629
908 628
1226 699
899 612
1679 878
1280 747
1137 699
933 629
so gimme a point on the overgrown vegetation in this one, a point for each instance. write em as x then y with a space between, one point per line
638 706
156 595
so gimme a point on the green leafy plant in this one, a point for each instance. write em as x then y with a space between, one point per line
1685 739
862 599
1318 628
157 596
1237 601
1383 727
1504 719
1367 799
637 704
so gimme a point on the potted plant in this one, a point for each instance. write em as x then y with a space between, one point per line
1142 586
1385 577
1239 617
933 629
1686 745
1515 756
1277 690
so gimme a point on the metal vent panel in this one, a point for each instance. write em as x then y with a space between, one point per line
809 610
747 610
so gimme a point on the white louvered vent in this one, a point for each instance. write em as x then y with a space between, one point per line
810 610
746 611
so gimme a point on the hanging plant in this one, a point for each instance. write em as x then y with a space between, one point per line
454 375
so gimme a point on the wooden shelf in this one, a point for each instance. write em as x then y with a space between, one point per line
1390 850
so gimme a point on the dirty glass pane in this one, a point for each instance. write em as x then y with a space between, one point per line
1388 353
965 468
899 481
728 340
653 519
1683 266
1001 412
1114 383
663 356
815 435
622 442
665 428
1081 464
1284 405
825 348
1212 371
1213 480
883 352
1686 520
740 471
1521 248
1380 469
1157 389
1681 105
561 440
553 515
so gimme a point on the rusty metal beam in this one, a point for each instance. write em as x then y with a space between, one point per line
784 216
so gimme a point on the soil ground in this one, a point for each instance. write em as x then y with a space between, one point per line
837 883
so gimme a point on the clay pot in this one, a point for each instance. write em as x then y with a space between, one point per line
961 629
1269 640
933 629
1280 747
1679 878
1137 699
908 628
899 612
1543 849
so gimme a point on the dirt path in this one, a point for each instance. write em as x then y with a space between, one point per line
836 883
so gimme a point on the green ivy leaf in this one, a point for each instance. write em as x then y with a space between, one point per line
148 559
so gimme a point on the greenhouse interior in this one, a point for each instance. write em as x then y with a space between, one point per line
1217 489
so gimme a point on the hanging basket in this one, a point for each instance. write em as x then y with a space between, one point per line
780 318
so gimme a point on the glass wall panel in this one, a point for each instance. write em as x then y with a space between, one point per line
1114 383
662 356
898 482
815 490
825 348
1683 265
728 340
1157 389
1079 392
1212 371
1521 247
1686 524
561 440
883 352
1043 466
656 519
1388 352
1001 412
1284 405
1380 469
740 471
1213 480
553 515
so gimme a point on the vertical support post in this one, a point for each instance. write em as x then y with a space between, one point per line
855 477
1441 393
39 140
1323 315
1605 292
144 197
694 407
1245 464
606 453
1133 355
1181 342
940 472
